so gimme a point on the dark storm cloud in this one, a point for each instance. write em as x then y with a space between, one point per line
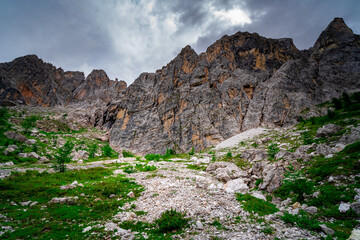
127 37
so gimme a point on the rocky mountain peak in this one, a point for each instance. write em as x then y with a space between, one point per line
97 78
337 32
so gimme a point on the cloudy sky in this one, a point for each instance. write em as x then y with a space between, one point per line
127 37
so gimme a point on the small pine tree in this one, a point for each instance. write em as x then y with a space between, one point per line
107 150
192 151
92 150
63 156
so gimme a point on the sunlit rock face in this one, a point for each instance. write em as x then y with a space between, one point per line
241 81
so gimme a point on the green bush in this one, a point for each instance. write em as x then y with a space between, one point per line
337 103
229 154
127 154
63 156
29 122
107 150
4 118
307 139
171 220
192 152
152 157
92 150
302 220
273 149
253 204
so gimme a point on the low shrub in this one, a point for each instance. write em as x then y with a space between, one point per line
152 157
171 220
63 156
255 205
302 220
273 149
127 154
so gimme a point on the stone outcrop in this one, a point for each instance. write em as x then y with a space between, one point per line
29 80
197 100
241 82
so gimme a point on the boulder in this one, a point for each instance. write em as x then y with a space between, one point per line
324 149
224 171
327 230
258 195
355 234
344 207
62 200
285 155
312 210
33 155
273 174
356 207
236 186
30 141
352 137
23 155
15 136
327 130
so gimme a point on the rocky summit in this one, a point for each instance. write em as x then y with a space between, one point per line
241 82
252 139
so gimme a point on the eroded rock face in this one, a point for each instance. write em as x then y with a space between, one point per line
29 80
241 82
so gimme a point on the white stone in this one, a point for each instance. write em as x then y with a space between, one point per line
236 185
110 227
74 183
258 195
86 229
30 141
33 155
33 204
355 234
131 195
327 230
344 207
199 225
23 155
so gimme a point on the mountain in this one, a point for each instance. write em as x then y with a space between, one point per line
29 80
241 82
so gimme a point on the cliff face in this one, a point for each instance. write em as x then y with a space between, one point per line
29 80
241 81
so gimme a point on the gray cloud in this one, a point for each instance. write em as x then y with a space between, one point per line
127 37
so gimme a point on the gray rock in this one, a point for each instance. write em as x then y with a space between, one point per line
86 229
30 141
131 195
352 137
110 227
356 207
312 210
324 149
13 146
33 155
338 147
63 200
327 130
199 225
355 234
23 155
285 155
344 207
225 171
258 195
15 136
327 230
236 185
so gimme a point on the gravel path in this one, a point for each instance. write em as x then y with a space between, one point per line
235 140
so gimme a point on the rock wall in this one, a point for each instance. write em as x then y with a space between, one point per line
242 81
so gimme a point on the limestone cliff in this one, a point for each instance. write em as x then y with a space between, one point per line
240 82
